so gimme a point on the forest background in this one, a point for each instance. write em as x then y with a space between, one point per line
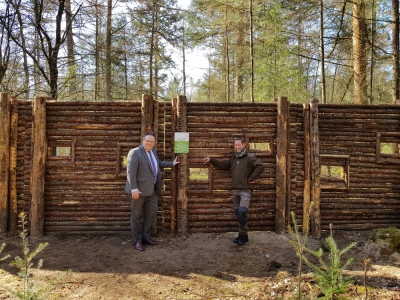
338 51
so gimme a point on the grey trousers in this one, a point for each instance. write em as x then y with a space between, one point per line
143 213
241 203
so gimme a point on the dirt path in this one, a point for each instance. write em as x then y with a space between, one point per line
201 266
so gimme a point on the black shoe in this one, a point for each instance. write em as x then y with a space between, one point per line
236 240
242 239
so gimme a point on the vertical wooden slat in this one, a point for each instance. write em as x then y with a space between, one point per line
315 170
13 213
183 171
5 107
307 166
281 164
288 169
147 124
174 190
39 145
156 111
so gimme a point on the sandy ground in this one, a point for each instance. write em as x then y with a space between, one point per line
200 266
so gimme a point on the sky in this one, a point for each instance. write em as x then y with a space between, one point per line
196 61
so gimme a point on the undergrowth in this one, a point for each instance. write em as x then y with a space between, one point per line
390 234
30 289
328 274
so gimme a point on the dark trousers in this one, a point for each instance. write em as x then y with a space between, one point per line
143 213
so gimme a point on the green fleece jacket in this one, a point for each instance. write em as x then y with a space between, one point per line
244 169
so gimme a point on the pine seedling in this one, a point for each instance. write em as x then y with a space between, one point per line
328 275
298 241
25 264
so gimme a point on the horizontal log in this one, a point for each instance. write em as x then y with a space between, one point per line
256 119
90 133
358 215
367 197
353 227
361 115
88 231
260 207
366 222
228 217
228 229
82 103
223 106
232 224
370 109
94 217
53 127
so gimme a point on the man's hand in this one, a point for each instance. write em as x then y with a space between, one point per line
176 161
136 194
206 159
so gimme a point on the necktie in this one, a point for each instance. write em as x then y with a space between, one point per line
153 164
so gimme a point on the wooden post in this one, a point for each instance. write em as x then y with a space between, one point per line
147 125
4 159
307 166
39 146
147 114
13 213
174 176
183 171
288 170
281 164
315 171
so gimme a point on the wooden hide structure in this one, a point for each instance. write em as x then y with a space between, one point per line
63 164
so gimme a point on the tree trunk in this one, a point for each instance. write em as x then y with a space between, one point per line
70 49
395 50
108 51
126 83
184 58
372 51
23 44
359 52
227 83
151 54
96 54
240 59
251 51
323 94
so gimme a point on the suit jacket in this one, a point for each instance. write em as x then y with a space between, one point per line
140 172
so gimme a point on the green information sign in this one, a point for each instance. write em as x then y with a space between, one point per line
181 142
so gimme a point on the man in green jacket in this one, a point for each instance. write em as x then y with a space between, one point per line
245 169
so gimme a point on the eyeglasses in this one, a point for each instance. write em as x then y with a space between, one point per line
149 141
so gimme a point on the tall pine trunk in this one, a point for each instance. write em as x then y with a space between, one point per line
251 51
323 92
70 49
395 50
359 52
240 59
108 51
227 62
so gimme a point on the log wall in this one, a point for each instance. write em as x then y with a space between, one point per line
84 186
368 194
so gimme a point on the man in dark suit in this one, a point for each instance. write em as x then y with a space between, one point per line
143 186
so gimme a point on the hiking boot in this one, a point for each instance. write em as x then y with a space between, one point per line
242 239
236 240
